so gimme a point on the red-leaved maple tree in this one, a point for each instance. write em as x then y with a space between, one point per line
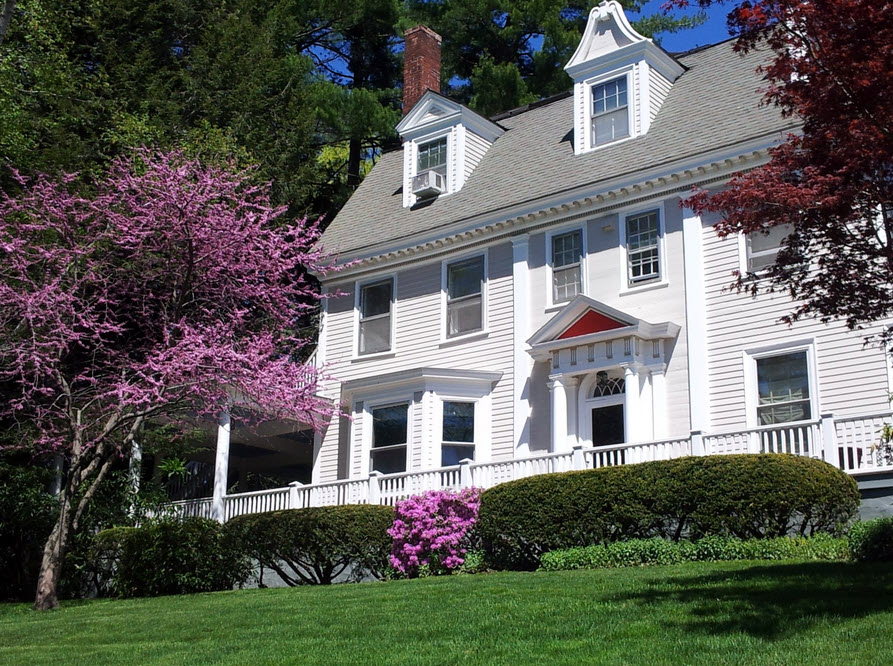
175 289
831 67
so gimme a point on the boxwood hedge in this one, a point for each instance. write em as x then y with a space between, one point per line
316 545
872 541
744 496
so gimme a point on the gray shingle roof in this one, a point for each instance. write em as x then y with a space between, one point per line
714 104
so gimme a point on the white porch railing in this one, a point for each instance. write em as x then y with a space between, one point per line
848 443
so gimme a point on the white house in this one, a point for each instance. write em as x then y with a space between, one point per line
527 293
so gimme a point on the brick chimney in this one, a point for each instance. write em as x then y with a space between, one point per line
421 68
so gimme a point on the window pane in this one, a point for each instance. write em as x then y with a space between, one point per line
433 155
375 335
771 241
453 455
608 96
391 461
375 299
783 386
389 425
642 237
464 316
611 126
458 421
464 278
566 284
567 249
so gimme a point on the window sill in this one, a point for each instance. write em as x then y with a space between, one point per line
647 286
468 337
370 357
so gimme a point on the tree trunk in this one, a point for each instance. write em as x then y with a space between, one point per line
47 596
6 17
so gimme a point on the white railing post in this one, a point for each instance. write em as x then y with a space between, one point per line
374 496
829 440
293 494
465 473
697 443
577 459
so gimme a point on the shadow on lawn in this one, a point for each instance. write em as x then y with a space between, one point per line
769 602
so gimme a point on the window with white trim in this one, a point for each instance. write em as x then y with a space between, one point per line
376 306
567 266
762 248
643 247
783 392
458 433
465 296
390 427
432 156
610 112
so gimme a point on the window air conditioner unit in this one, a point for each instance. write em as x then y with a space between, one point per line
428 184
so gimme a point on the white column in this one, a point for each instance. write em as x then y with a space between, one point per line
571 389
221 466
695 321
523 363
559 415
659 401
631 415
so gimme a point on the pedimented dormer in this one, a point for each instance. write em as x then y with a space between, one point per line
443 142
621 79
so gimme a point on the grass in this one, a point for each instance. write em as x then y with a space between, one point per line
725 613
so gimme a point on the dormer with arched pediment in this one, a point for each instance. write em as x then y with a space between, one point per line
621 79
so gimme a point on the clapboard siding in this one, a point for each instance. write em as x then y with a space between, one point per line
418 325
659 88
852 378
475 147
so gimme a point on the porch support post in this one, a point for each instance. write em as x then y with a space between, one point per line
659 400
631 414
523 363
221 466
559 414
571 388
829 440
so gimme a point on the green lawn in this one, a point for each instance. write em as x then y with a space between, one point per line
729 613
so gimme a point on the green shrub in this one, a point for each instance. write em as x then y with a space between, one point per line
643 552
872 541
745 496
170 556
318 544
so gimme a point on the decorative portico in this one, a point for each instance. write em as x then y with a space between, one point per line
607 381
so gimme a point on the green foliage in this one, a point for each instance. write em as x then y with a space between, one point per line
872 541
27 514
314 546
170 557
643 552
745 496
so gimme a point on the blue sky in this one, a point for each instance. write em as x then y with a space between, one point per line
714 30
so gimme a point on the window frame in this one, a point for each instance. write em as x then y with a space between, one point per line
413 166
369 410
744 254
483 331
550 269
751 379
660 280
446 155
589 87
443 400
358 316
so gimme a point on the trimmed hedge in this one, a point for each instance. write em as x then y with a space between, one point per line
316 545
643 552
170 556
744 496
872 541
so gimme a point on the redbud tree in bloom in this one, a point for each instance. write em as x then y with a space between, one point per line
173 291
829 65
432 530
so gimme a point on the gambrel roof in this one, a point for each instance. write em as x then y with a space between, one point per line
713 108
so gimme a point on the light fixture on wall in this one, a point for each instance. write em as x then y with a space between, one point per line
607 228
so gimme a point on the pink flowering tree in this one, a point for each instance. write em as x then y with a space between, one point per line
173 291
432 530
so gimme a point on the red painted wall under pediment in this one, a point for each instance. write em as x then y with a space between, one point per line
591 322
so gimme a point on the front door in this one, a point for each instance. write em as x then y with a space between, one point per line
607 425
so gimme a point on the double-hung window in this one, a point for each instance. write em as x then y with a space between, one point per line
610 112
376 304
761 249
783 388
458 433
643 247
567 266
465 296
433 156
389 438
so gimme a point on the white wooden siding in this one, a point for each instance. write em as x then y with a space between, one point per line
475 147
659 88
852 378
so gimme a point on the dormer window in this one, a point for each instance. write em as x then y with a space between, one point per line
610 112
433 156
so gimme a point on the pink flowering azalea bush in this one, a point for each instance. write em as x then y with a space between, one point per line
432 530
